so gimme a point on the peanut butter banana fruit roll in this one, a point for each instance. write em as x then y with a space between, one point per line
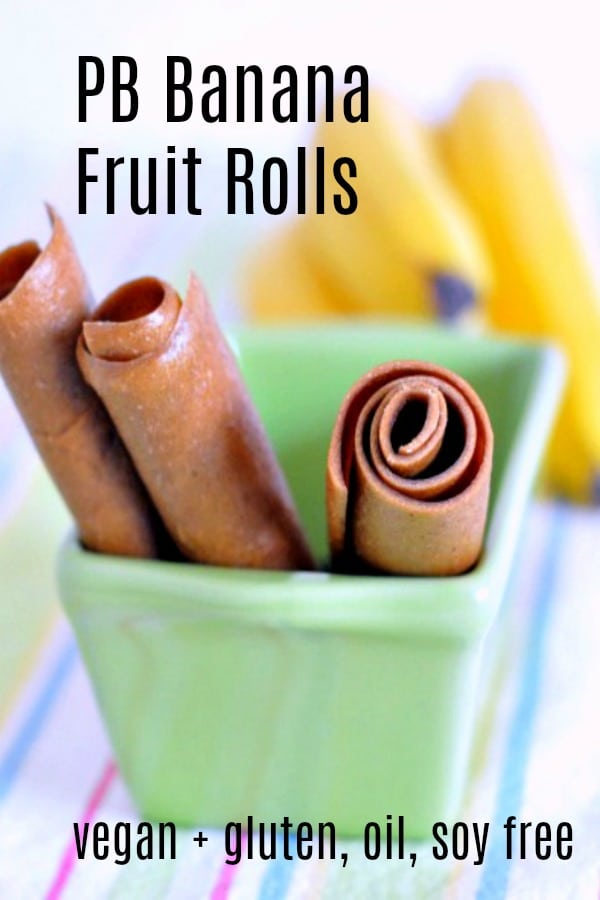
173 389
44 299
408 473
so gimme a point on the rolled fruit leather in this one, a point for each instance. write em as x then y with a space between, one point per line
44 298
172 386
408 473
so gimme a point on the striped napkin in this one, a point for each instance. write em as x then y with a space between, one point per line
537 749
536 754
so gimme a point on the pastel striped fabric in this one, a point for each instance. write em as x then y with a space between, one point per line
537 753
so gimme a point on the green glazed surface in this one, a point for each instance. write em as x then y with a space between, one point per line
230 693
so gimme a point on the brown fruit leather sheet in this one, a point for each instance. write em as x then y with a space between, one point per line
44 298
173 389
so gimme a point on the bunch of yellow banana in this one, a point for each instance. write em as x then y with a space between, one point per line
455 221
279 282
409 249
497 155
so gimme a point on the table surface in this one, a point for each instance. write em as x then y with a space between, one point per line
537 749
536 754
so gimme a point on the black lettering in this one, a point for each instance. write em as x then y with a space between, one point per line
301 180
241 73
83 178
372 840
361 92
287 826
119 87
233 843
163 828
330 829
219 92
543 835
101 840
111 165
234 178
136 206
524 827
327 73
460 828
144 844
289 93
171 182
509 826
274 162
566 839
302 838
122 851
84 90
192 161
439 832
320 180
80 840
352 197
182 87
265 852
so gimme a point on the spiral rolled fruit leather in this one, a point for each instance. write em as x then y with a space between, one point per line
408 473
173 388
44 298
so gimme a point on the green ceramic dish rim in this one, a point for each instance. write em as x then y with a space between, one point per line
455 607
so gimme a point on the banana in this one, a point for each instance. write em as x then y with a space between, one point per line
497 155
410 248
278 282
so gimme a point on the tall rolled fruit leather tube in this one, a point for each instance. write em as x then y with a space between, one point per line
408 473
44 298
172 386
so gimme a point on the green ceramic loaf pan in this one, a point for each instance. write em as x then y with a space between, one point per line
229 693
